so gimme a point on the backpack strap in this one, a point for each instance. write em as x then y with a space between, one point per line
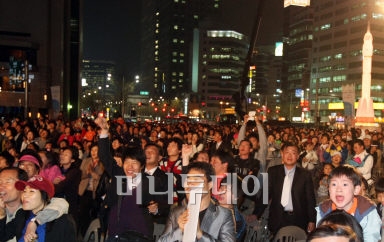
365 158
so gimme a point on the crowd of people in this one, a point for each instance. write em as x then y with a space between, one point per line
57 176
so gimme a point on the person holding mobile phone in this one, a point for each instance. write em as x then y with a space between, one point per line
258 140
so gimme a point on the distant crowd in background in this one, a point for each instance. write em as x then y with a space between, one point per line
312 173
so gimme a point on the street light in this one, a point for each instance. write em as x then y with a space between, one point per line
221 106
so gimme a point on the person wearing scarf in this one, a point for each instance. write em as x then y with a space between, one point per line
37 192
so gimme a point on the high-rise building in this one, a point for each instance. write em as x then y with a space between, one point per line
221 64
48 35
298 40
339 29
167 34
99 88
266 88
324 52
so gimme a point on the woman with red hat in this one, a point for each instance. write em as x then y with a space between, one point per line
36 194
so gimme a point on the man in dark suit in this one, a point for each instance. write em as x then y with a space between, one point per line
219 144
291 193
152 158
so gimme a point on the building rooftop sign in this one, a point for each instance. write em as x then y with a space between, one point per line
301 3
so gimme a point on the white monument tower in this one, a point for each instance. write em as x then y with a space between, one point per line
365 116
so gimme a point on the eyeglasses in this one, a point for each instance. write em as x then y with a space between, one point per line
8 181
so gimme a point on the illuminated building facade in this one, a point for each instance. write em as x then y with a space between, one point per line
323 53
98 86
47 35
298 38
167 28
338 32
222 58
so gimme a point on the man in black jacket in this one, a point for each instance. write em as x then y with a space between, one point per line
132 206
219 144
152 158
297 205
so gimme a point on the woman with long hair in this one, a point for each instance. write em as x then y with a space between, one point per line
91 171
50 168
197 144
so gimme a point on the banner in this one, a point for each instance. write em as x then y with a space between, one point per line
194 203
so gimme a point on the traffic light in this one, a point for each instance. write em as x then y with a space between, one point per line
139 104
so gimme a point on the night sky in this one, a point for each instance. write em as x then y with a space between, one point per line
111 32
111 28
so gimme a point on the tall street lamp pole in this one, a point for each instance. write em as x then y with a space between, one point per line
221 106
317 104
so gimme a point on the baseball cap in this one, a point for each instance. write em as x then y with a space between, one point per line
30 158
336 153
367 136
37 182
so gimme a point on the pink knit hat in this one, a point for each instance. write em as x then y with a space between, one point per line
30 158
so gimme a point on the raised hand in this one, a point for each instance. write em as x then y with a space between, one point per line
186 150
102 123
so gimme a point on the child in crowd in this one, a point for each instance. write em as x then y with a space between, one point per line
344 187
364 191
333 232
342 218
309 156
336 159
322 191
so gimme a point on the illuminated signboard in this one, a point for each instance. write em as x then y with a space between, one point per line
279 49
340 105
301 3
299 93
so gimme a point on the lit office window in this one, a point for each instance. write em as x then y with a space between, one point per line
325 26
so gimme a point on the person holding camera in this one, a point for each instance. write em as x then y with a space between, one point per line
333 146
258 140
